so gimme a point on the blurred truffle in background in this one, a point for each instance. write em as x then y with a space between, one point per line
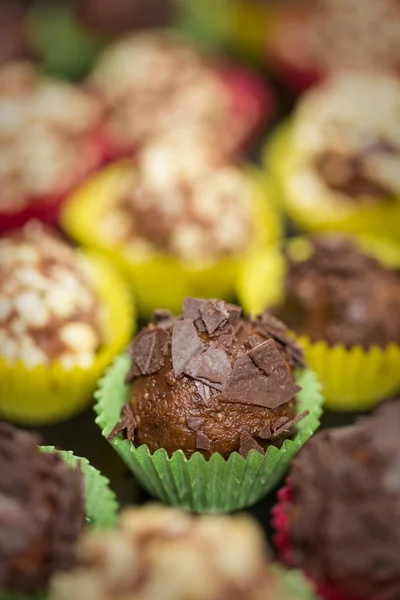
14 38
118 16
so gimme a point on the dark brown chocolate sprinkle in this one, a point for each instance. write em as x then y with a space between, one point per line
185 345
271 327
288 424
191 308
126 425
148 352
212 367
204 391
279 423
248 443
203 442
214 315
265 433
234 312
249 385
194 422
163 318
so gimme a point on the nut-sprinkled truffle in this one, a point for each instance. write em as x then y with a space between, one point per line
341 295
165 553
182 201
211 381
47 136
48 309
42 513
172 87
344 520
346 139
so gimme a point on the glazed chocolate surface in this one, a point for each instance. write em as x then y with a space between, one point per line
211 381
344 519
42 512
342 296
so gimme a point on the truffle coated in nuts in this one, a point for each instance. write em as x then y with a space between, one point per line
48 309
202 210
223 392
182 92
341 295
46 129
162 552
344 525
42 513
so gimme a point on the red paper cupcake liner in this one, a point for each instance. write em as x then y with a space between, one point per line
282 543
252 100
96 150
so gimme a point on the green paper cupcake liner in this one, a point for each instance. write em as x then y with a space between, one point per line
195 484
296 584
100 502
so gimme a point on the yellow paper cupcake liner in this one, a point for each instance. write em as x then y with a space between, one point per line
352 379
160 280
330 211
46 394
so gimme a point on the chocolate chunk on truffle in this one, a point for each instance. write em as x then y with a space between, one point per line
341 295
42 513
343 518
206 557
221 395
126 424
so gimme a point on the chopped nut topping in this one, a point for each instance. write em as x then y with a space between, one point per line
44 130
48 310
165 553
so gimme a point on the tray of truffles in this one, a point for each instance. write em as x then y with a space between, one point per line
199 300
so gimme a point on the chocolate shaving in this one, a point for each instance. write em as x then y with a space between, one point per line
214 315
247 443
194 422
185 345
148 352
265 433
202 442
163 318
279 423
212 367
191 309
289 424
204 391
234 313
271 327
126 425
260 377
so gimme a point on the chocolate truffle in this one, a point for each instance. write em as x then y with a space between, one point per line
165 553
179 199
47 136
42 513
48 307
340 295
171 87
344 522
211 381
346 140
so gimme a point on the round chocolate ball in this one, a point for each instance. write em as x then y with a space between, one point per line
343 519
340 294
211 381
42 512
